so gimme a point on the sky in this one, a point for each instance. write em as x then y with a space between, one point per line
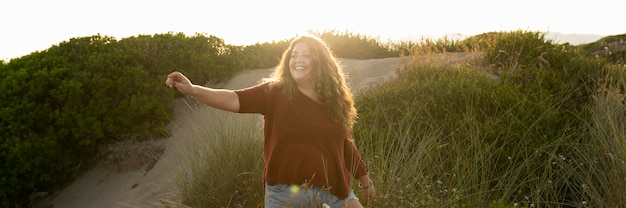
35 25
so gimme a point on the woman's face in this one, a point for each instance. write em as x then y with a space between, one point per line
300 64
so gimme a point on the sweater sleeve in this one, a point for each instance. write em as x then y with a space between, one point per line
254 99
353 159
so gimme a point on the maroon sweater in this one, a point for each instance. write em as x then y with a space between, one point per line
302 143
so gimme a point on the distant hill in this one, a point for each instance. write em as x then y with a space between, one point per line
572 39
611 47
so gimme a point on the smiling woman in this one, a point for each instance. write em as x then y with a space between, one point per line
309 112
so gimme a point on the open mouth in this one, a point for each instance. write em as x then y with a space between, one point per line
300 68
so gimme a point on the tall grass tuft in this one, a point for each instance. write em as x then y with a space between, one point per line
606 153
226 167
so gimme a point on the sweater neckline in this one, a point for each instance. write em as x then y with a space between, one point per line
307 97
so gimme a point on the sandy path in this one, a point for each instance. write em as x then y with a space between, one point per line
105 188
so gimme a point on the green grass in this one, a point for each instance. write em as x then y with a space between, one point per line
224 165
455 136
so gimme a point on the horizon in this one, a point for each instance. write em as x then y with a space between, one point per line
243 22
573 39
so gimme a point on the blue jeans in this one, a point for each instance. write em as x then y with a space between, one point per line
281 195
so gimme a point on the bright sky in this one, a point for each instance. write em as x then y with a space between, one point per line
34 25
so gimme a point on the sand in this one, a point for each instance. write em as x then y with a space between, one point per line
106 188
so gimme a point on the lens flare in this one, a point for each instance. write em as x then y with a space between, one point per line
294 189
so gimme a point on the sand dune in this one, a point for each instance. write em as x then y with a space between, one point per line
106 188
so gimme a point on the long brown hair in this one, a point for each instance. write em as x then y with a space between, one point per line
329 79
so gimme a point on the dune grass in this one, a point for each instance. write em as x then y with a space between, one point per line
456 136
224 166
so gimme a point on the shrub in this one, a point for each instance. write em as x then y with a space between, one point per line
58 106
261 55
443 95
508 139
203 58
612 48
527 59
356 46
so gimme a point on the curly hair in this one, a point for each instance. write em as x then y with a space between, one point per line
329 79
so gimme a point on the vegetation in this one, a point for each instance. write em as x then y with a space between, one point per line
356 46
77 103
541 126
62 105
58 106
236 182
613 48
531 123
529 137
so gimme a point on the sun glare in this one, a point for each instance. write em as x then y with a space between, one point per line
243 22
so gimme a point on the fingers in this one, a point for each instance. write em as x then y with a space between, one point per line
175 77
369 194
169 81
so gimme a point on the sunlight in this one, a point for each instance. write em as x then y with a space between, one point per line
245 22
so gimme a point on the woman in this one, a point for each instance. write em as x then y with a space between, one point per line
309 112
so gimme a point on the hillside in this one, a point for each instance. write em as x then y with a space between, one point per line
106 187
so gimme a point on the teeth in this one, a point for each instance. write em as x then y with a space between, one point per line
299 68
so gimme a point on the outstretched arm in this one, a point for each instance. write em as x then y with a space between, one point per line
217 98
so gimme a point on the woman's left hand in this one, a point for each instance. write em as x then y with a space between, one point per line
369 193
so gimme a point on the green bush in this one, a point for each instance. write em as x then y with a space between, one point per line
612 48
205 59
511 138
58 106
537 65
465 109
259 55
442 95
356 46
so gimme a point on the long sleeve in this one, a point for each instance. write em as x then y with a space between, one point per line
353 159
